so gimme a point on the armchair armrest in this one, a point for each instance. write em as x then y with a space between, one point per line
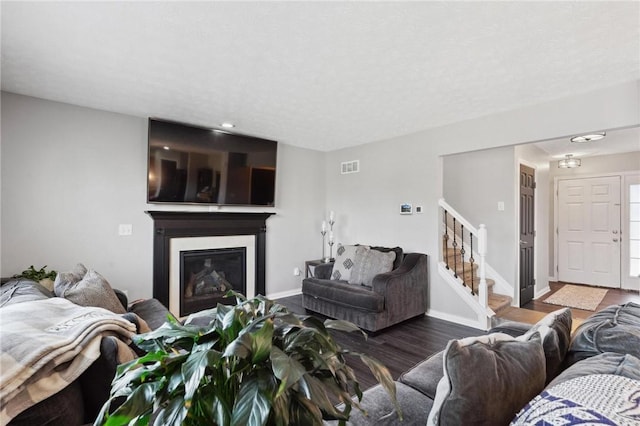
405 288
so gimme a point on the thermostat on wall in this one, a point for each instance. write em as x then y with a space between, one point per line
406 208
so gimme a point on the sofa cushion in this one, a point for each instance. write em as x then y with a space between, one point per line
556 342
151 311
64 279
64 408
425 376
91 290
22 290
606 363
614 329
380 411
345 260
488 379
512 328
397 250
343 294
597 399
369 263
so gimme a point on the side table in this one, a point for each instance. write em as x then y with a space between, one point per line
310 266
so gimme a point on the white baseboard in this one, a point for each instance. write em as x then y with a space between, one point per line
453 318
286 293
541 292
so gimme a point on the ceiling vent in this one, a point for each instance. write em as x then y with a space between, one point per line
347 167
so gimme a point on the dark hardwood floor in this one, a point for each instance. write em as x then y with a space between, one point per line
399 347
614 296
404 345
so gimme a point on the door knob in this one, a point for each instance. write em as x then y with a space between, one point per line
615 231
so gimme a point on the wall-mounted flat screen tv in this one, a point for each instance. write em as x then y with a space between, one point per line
196 165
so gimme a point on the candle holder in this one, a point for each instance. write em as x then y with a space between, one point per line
331 258
324 258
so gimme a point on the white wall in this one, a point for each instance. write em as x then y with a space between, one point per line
409 169
70 175
54 160
473 184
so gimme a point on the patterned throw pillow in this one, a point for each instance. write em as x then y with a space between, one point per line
345 260
369 263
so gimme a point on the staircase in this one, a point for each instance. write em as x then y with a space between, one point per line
468 273
464 267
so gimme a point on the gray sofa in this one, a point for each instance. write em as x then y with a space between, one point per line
393 296
80 401
544 376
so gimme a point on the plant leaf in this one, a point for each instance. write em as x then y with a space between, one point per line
240 347
173 414
315 391
140 401
304 412
342 325
286 369
261 342
252 407
194 368
383 376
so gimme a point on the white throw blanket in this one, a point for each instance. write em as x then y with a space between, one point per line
47 344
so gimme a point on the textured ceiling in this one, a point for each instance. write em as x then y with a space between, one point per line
321 75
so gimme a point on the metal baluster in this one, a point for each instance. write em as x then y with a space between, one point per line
445 239
464 277
454 245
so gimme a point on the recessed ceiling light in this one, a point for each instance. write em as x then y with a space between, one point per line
228 125
166 148
589 138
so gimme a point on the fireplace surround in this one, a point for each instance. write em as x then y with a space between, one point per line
174 226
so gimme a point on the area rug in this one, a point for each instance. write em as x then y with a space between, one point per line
579 297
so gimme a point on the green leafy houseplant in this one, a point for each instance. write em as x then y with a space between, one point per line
253 363
37 275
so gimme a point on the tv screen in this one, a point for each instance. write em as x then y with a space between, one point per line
196 165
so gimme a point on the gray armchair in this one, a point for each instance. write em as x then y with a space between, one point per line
393 297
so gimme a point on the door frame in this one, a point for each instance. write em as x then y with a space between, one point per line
627 282
516 288
623 206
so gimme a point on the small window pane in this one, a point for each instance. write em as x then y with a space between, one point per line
634 230
634 211
634 270
634 193
634 249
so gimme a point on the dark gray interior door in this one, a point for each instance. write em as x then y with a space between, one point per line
527 234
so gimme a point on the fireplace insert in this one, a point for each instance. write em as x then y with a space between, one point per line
207 275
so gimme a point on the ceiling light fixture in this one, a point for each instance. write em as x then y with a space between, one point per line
228 125
569 162
166 148
589 138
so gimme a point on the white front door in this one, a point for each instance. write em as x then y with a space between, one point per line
589 231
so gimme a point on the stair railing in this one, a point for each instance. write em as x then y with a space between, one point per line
458 235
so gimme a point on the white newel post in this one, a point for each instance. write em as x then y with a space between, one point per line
483 294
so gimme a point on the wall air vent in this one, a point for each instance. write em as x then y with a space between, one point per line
350 167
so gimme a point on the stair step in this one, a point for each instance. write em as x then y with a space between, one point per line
455 252
497 302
